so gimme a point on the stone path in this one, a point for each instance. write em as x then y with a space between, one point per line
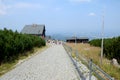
52 64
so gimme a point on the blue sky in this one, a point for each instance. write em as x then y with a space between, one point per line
68 17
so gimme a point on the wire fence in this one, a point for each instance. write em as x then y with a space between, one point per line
93 68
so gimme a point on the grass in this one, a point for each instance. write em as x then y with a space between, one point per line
91 52
5 67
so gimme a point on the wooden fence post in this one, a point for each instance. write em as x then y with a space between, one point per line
90 68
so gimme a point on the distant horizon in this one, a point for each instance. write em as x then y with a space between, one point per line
63 36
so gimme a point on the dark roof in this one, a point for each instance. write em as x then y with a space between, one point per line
72 38
83 38
33 29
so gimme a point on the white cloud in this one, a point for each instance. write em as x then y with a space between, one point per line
92 14
2 12
80 1
3 9
26 5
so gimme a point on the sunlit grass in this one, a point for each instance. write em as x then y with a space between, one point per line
91 52
6 67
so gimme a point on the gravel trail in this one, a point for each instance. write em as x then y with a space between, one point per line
52 64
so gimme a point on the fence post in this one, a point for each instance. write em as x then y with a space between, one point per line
77 55
70 50
113 78
90 68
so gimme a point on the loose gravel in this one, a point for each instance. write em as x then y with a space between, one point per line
52 64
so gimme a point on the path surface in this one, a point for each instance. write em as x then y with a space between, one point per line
52 64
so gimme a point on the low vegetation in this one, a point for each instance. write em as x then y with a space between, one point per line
111 47
14 44
91 52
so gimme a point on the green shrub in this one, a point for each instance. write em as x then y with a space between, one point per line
111 47
12 44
